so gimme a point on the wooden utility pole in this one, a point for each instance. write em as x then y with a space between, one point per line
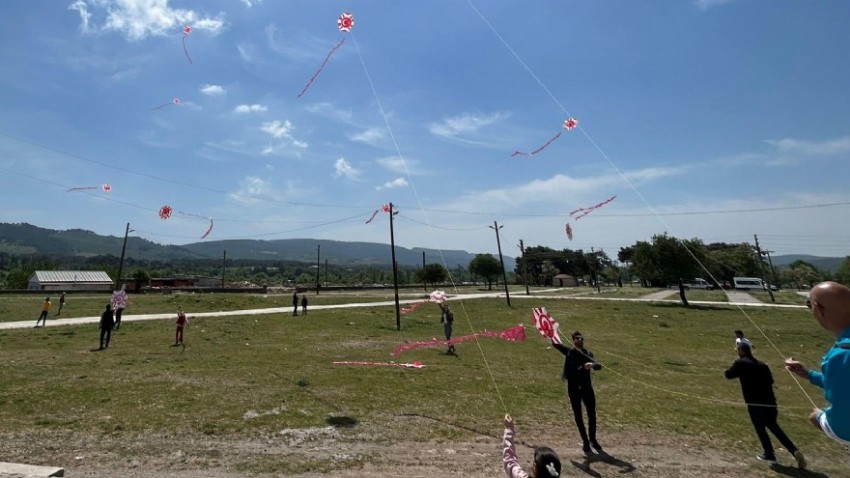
223 266
524 267
496 228
424 284
318 267
395 270
761 264
121 263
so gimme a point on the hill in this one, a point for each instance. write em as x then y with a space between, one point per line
827 264
24 238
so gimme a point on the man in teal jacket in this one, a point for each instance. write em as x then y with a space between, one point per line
830 304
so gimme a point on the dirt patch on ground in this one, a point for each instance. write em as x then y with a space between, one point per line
361 451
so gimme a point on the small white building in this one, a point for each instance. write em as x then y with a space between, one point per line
70 280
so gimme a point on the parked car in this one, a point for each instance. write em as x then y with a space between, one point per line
698 283
748 283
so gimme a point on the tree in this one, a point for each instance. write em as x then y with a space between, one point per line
432 273
141 278
843 273
487 267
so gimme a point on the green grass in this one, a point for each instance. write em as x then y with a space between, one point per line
664 373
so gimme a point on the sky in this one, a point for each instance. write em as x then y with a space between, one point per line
710 119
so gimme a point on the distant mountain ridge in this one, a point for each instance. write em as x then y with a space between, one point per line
25 238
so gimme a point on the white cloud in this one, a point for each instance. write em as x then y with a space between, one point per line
137 19
395 183
343 169
299 144
706 4
255 108
277 128
369 136
213 90
464 124
328 110
252 189
398 165
795 146
83 9
251 3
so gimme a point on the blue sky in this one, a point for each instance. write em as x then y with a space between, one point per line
709 119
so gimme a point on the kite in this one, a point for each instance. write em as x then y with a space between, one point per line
209 229
545 324
103 187
345 23
437 296
584 211
569 125
569 232
165 212
187 30
175 101
386 208
416 364
373 216
513 334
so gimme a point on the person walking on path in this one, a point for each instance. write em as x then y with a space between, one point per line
182 320
830 304
295 303
107 322
119 302
61 303
757 388
45 308
304 304
578 363
447 318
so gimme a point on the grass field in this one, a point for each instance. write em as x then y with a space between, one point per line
251 376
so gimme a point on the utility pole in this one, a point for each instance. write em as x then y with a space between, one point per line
772 270
496 228
524 267
761 264
318 267
595 270
424 284
223 267
121 264
326 271
395 269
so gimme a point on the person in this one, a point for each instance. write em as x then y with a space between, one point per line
546 462
107 322
304 304
61 303
830 304
757 388
447 319
45 308
578 363
181 322
119 302
295 303
741 339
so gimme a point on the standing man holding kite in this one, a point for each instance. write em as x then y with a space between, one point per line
578 363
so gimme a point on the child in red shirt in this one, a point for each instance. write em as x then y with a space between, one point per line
182 320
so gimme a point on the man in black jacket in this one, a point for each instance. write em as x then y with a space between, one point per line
578 363
757 388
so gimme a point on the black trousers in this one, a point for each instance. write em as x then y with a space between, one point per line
118 317
764 418
105 333
583 394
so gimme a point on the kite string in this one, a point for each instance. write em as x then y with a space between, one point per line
624 178
422 209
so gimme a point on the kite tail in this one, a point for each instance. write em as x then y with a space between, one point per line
208 230
186 51
373 216
514 334
321 67
517 153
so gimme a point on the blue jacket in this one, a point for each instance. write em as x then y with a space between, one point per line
834 378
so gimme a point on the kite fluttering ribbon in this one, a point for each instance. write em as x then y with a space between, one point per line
345 23
569 124
513 334
416 364
587 210
187 30
569 232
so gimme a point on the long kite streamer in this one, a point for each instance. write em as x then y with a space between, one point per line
514 334
345 23
569 124
373 216
103 187
416 364
587 210
569 230
209 229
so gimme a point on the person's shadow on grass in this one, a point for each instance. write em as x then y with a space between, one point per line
585 465
796 472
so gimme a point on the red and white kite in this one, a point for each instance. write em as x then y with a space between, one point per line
386 208
103 187
106 188
545 324
437 296
165 212
587 210
569 125
513 334
175 102
416 364
187 30
345 23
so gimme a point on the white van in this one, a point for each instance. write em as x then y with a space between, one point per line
747 283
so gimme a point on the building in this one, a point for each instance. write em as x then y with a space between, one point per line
564 280
69 280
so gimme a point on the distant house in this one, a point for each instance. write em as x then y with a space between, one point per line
564 280
69 280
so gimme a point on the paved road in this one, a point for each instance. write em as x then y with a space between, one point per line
737 300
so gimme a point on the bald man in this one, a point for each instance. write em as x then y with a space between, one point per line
830 304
